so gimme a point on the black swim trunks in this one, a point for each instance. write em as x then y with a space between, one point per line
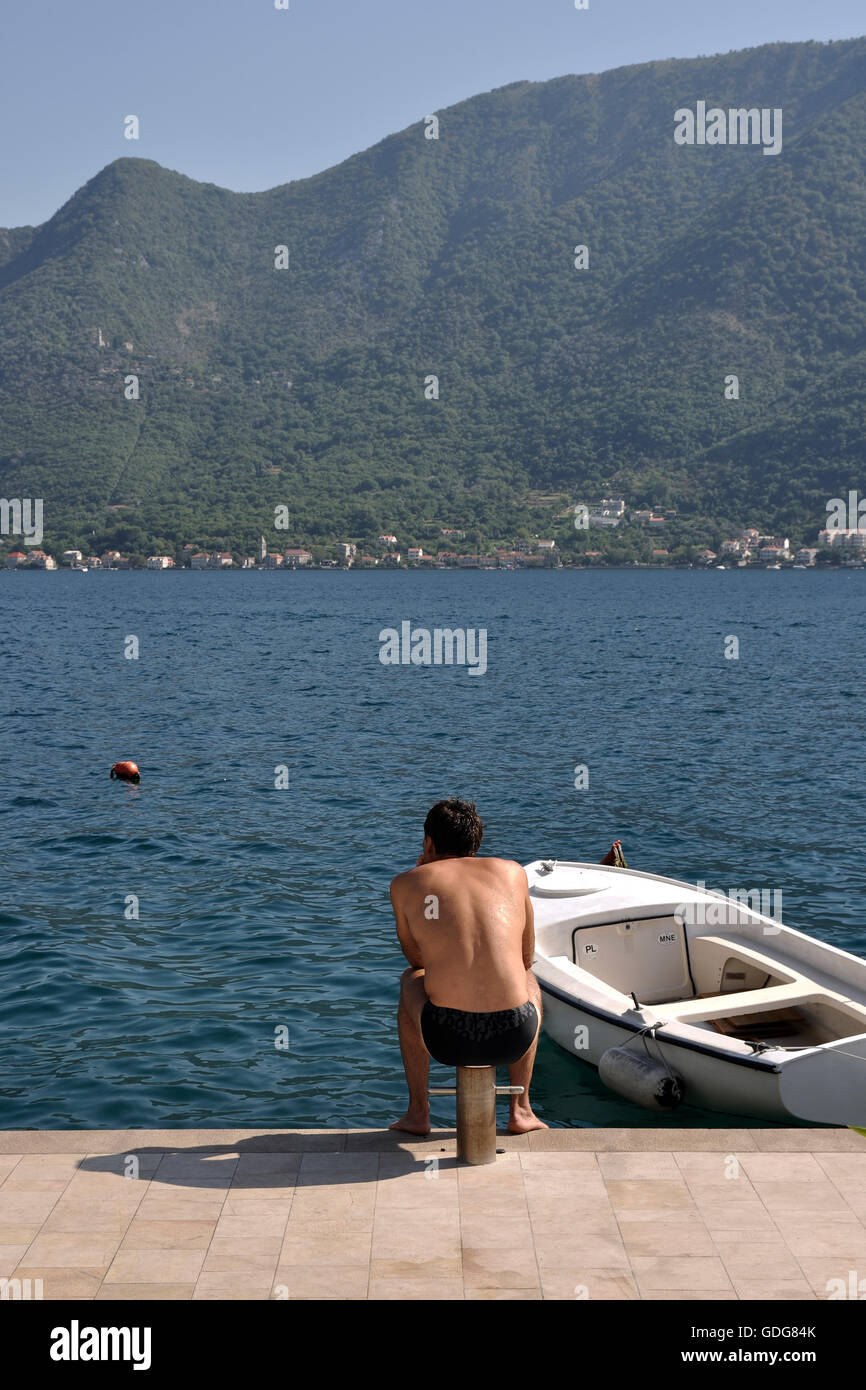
460 1039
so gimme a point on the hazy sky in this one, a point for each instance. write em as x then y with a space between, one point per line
238 93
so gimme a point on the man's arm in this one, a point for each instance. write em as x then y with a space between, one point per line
528 929
408 944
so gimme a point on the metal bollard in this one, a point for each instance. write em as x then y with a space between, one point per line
476 1092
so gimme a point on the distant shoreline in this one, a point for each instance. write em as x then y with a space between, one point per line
444 569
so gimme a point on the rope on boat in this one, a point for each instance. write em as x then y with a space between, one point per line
649 1031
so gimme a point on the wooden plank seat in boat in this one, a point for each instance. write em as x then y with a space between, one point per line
797 988
778 1000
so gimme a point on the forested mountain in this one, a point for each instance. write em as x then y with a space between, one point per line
455 257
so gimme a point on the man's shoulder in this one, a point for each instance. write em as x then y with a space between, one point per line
507 868
400 881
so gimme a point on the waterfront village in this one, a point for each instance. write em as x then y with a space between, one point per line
582 545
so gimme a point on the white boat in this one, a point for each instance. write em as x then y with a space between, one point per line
677 992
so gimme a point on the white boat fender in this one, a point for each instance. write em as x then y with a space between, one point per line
641 1078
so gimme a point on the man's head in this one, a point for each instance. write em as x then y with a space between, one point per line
452 827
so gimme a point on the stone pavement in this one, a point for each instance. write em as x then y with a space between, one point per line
367 1214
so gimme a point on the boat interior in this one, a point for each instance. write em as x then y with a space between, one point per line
719 983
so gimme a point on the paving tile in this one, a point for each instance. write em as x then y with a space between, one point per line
89 1216
817 1198
583 1283
474 1295
834 1237
131 1165
232 1288
848 1168
835 1277
417 1268
495 1233
709 1167
773 1290
168 1235
671 1234
11 1256
750 1217
582 1183
678 1272
342 1245
770 1260
347 1166
417 1194
640 1195
559 1160
254 1255
20 1234
394 1247
253 1218
25 1208
782 1167
422 1291
599 1252
62 1283
7 1164
109 1185
689 1295
732 1189
166 1206
500 1266
311 1281
155 1267
48 1166
146 1293
186 1193
70 1249
333 1203
646 1167
19 1182
280 1165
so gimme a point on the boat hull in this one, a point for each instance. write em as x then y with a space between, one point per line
710 1083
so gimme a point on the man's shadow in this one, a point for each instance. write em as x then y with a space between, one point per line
221 1166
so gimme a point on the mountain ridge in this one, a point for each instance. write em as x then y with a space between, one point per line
454 258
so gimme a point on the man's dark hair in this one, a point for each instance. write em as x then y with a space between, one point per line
454 826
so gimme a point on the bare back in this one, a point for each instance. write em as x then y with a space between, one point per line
468 923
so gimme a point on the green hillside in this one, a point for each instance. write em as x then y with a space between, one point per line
455 257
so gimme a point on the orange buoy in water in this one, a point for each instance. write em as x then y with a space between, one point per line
127 772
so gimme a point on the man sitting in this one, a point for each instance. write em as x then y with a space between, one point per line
469 997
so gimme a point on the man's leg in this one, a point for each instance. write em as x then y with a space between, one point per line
416 1058
522 1118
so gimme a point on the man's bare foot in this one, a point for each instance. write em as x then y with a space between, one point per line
413 1123
614 854
522 1121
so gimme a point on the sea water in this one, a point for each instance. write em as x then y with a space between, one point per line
215 946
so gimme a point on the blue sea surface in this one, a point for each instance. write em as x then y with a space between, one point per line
263 912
